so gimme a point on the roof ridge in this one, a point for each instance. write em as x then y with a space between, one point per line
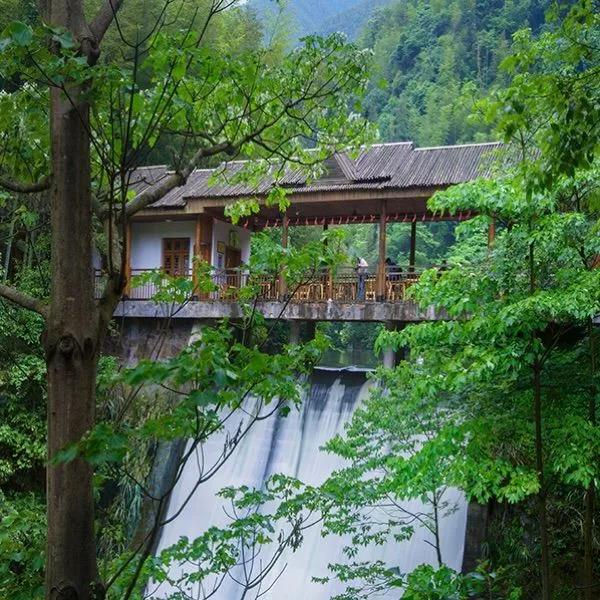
467 145
380 144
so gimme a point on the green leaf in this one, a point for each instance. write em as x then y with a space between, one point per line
20 33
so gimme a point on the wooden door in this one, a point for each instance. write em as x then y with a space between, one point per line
176 256
233 258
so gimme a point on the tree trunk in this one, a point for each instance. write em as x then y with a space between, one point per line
71 340
539 450
590 493
541 497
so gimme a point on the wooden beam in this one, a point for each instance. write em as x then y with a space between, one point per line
380 294
413 246
284 244
194 204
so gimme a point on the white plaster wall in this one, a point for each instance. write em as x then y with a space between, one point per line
221 234
146 241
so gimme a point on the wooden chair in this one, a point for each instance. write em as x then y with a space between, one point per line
303 293
394 291
316 292
267 290
371 289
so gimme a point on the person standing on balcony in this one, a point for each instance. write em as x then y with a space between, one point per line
361 270
392 270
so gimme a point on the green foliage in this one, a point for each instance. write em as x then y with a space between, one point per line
458 411
560 67
21 10
22 538
428 583
25 138
253 528
213 95
22 386
437 59
197 93
225 373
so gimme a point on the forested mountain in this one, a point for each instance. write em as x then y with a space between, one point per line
322 16
435 58
432 58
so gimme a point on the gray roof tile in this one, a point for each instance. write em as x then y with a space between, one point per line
381 166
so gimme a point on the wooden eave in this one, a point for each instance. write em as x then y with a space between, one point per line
343 206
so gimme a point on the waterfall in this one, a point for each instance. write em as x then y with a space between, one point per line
290 446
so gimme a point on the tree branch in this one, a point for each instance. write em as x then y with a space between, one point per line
104 18
25 188
23 300
153 194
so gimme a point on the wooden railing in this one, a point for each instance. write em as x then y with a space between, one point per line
345 285
349 285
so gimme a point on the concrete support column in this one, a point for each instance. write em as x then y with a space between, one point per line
295 332
197 329
301 331
311 328
389 354
391 357
478 516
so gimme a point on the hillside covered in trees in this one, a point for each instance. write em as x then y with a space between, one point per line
436 59
433 59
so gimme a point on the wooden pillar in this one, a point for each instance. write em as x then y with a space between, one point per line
202 245
127 290
491 233
197 256
382 254
329 290
284 244
207 238
413 246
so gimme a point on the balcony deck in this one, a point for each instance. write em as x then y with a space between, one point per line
343 296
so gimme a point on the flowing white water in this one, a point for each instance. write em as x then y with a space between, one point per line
291 446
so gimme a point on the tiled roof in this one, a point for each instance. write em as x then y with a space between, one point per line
447 165
379 167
